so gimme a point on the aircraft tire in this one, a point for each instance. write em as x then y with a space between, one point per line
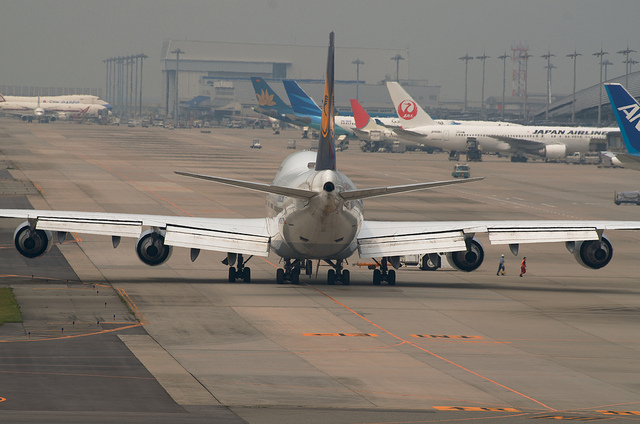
391 278
331 277
246 275
346 277
377 277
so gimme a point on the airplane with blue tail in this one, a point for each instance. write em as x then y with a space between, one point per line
270 104
304 105
626 109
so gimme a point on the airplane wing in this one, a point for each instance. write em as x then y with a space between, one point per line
628 161
387 238
246 236
406 134
520 144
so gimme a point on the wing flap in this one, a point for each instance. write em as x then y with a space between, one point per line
546 235
405 244
221 241
91 226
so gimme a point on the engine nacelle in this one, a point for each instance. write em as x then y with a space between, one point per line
32 243
594 254
467 260
555 151
151 249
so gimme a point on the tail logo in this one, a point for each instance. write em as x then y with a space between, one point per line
265 99
407 110
631 113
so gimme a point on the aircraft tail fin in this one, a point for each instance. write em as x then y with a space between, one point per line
627 112
360 115
301 102
267 98
410 113
326 157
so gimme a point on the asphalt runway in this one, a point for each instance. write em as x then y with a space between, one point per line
177 343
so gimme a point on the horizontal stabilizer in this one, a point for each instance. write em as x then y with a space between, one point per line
384 191
265 188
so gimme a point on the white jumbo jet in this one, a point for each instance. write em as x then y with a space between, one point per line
49 108
517 140
316 213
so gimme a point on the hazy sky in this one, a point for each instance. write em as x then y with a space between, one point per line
63 42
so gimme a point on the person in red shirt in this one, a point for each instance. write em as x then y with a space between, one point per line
523 266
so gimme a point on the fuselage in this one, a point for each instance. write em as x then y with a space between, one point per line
323 227
38 109
455 138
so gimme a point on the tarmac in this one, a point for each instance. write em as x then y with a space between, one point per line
106 338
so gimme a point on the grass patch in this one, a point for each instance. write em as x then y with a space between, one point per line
9 309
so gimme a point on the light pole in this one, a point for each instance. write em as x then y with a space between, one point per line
483 58
357 62
397 58
504 81
142 58
178 52
606 64
526 77
626 63
574 56
548 56
466 59
600 54
631 62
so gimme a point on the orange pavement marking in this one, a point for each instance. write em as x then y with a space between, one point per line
444 336
340 334
474 409
432 353
619 412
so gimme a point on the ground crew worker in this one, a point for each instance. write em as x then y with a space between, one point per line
523 266
501 266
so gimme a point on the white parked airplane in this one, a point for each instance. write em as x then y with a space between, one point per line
62 99
516 140
316 213
49 108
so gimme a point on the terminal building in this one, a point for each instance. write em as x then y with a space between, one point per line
218 73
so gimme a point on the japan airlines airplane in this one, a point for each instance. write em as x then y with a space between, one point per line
519 140
316 213
627 112
374 135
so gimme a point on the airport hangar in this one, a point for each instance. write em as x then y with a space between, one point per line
587 102
221 71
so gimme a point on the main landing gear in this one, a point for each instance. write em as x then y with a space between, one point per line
384 273
338 274
240 271
292 270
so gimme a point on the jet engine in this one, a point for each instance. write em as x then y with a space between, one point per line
594 254
555 151
32 243
467 260
151 249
